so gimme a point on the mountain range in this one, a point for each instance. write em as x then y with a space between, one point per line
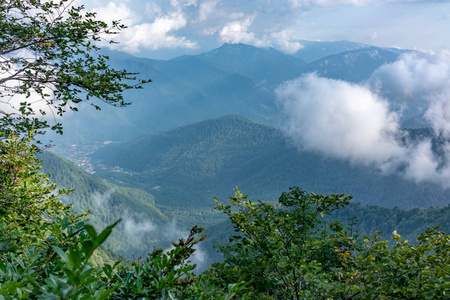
232 79
188 165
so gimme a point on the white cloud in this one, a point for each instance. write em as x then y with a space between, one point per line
237 32
419 77
374 35
438 113
102 199
286 42
156 35
210 22
152 10
354 122
137 229
206 9
339 119
413 76
310 3
190 3
160 32
117 11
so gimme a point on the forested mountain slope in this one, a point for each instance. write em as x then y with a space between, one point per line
143 225
353 66
186 166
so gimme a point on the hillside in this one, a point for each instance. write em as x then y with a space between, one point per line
188 165
354 66
143 225
315 50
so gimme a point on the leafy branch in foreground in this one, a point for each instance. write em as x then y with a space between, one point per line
287 251
49 62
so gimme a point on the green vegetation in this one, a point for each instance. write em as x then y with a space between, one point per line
291 253
191 164
108 203
50 61
281 251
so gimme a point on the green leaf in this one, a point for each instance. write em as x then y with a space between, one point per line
91 231
106 232
61 253
88 247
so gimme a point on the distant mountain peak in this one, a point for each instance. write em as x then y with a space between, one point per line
262 65
228 49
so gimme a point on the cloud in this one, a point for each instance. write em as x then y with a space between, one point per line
311 3
339 119
374 35
173 232
414 76
152 10
419 77
286 42
137 228
102 199
117 11
210 22
438 113
156 35
237 32
355 122
206 9
157 31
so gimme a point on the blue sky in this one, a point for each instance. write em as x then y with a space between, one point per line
167 28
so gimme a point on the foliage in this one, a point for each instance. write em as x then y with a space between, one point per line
405 271
286 251
28 200
46 249
49 60
283 251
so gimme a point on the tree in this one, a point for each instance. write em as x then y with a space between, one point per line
49 62
405 270
286 251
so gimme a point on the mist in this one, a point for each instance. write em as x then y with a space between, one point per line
141 233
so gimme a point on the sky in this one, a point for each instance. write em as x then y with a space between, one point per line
167 28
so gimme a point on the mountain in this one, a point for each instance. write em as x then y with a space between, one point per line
186 166
314 50
233 79
353 66
262 65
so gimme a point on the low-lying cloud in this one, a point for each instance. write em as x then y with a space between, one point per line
137 227
339 119
357 122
